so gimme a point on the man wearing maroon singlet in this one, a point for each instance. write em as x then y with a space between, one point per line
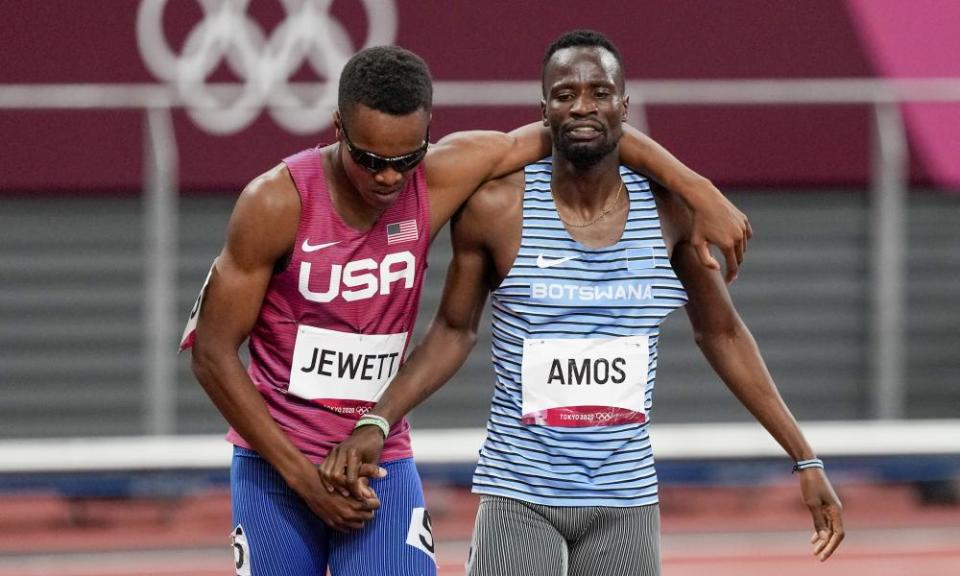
322 269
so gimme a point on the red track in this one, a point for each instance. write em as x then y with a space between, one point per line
706 531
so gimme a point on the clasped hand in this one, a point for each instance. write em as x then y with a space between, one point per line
348 468
339 492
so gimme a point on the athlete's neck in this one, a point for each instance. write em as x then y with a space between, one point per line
346 199
585 190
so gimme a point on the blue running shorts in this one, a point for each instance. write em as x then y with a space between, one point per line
276 534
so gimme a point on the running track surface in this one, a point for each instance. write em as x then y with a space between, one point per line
715 531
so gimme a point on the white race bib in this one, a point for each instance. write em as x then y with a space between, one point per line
584 382
331 365
420 533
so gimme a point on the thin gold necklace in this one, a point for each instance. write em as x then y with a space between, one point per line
601 216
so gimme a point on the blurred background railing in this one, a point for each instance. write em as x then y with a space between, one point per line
852 293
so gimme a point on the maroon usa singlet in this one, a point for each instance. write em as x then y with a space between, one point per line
335 323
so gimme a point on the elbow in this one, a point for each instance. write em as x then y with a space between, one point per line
704 181
462 336
716 335
469 339
203 360
465 333
466 338
200 364
701 337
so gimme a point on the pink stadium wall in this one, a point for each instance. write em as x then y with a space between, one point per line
65 42
918 39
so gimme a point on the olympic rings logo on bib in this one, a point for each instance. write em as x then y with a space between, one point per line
583 416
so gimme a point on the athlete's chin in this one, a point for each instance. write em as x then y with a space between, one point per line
383 198
584 153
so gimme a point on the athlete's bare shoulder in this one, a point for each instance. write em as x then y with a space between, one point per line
497 199
264 223
492 221
273 191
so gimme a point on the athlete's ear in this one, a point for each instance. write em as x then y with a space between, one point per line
336 123
626 106
543 112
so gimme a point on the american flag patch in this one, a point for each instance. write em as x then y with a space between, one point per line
402 232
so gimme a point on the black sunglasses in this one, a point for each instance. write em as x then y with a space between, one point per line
376 163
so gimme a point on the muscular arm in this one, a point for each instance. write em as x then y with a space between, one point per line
732 352
261 231
453 332
449 339
715 219
461 162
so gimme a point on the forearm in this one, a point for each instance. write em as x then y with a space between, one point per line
645 155
226 382
433 362
736 359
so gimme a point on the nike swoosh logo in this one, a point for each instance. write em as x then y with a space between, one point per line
550 263
308 247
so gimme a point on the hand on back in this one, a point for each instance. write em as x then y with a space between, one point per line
717 221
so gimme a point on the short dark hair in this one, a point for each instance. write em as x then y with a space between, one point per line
578 38
385 78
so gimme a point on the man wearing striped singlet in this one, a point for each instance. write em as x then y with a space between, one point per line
322 269
584 259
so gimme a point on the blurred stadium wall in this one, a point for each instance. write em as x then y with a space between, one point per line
126 136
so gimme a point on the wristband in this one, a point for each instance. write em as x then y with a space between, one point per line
807 464
374 420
